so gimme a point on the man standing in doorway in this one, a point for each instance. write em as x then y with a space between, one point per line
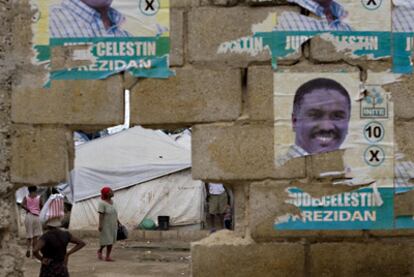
217 202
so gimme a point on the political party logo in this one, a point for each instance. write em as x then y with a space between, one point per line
371 4
149 7
374 104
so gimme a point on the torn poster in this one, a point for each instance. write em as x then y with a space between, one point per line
317 113
351 26
93 39
403 36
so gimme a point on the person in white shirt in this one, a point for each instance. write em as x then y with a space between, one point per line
217 202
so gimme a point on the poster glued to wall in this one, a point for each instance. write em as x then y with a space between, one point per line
352 26
102 38
324 112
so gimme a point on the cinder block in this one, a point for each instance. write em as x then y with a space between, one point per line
240 220
169 235
153 235
322 163
267 259
238 152
226 3
81 102
403 97
267 202
260 92
136 234
404 133
404 203
41 155
392 258
177 37
193 96
391 233
266 2
192 235
184 3
209 27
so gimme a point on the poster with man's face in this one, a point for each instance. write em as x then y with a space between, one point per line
317 113
337 15
106 37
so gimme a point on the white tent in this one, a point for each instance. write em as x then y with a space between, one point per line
149 172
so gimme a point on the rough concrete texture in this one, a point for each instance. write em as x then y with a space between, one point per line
41 155
184 3
267 202
238 152
194 95
266 2
403 97
404 203
226 3
404 133
260 93
223 254
362 259
81 102
177 37
240 194
321 163
209 27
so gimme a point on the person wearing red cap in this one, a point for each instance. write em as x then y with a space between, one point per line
108 223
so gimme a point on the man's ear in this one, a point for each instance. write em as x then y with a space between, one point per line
294 120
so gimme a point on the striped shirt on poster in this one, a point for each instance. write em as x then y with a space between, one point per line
75 19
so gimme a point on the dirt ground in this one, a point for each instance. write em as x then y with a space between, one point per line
132 258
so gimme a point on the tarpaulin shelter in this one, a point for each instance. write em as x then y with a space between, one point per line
149 172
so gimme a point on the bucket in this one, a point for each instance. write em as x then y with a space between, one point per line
163 222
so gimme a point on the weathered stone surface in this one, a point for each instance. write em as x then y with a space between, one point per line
194 95
240 201
83 102
260 92
404 203
362 259
403 97
232 152
321 164
404 133
209 27
266 2
184 3
177 37
40 155
227 3
230 258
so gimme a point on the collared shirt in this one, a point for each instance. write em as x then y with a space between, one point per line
292 21
403 173
215 189
75 19
294 151
403 16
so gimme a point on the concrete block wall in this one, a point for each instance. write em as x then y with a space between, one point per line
228 100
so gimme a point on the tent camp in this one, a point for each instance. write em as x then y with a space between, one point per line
149 172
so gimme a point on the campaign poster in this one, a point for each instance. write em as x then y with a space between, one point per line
316 113
352 26
93 39
403 35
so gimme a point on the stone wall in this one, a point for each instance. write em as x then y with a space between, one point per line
228 99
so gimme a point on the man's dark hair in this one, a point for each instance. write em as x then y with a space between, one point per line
318 83
32 189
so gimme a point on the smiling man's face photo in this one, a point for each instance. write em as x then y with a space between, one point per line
321 114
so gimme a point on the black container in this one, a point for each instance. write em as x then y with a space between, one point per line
163 222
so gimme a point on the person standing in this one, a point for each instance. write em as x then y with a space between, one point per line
217 201
53 246
32 204
108 223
